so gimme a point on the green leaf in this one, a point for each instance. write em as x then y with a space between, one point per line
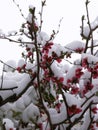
15 114
46 97
96 94
52 98
32 11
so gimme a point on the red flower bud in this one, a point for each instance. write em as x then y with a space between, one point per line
18 69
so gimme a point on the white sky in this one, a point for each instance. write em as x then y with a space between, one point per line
70 10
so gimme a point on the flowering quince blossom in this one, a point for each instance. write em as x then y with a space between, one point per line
48 89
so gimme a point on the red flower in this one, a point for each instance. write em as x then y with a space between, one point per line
47 47
27 49
74 110
68 80
73 80
35 27
11 129
89 86
74 90
92 127
23 67
78 73
78 110
95 73
96 124
58 60
61 79
18 69
58 105
79 50
29 54
85 62
94 110
40 126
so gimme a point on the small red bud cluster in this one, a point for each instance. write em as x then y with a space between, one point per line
35 27
29 54
79 73
47 47
19 69
74 110
56 57
74 80
94 71
79 50
11 129
88 86
94 110
85 63
76 77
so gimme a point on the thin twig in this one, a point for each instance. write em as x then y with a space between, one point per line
5 89
6 65
43 3
11 40
19 9
2 76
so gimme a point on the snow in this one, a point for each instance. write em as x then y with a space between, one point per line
33 94
21 62
26 100
13 83
86 121
42 38
26 104
91 59
71 99
31 112
20 39
65 68
14 76
86 29
29 18
10 65
29 66
31 7
58 117
8 84
74 45
13 32
56 69
22 84
56 50
8 124
1 33
20 104
31 46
